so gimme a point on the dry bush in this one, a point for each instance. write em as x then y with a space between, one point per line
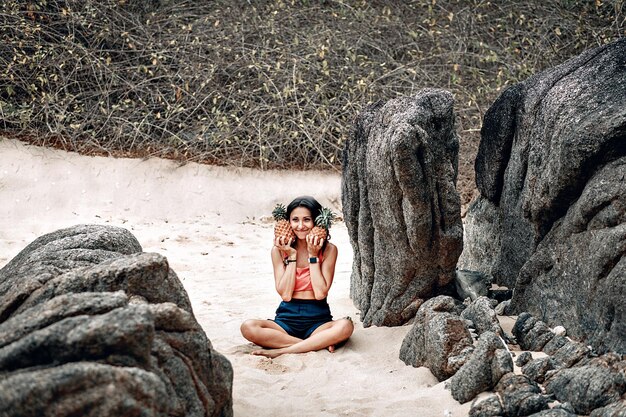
267 83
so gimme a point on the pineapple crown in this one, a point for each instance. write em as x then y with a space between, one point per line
280 212
325 218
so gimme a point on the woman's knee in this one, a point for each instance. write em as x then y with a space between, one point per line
347 327
249 329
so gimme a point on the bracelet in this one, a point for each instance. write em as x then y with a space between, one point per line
287 261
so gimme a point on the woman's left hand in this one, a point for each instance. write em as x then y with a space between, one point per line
314 244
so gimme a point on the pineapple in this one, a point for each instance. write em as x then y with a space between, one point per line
322 223
282 228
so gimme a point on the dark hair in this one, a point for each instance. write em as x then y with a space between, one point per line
305 201
314 207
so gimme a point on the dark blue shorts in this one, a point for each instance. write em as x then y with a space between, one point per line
300 318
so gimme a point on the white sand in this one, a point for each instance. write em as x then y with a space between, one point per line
209 223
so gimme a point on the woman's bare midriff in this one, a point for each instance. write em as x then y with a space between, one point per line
303 295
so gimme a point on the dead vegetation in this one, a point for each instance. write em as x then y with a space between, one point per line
269 84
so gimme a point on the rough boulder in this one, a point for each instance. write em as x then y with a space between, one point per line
401 206
92 326
551 215
490 360
439 339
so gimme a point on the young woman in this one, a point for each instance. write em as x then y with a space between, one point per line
303 274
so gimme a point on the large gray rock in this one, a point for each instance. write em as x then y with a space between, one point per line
597 384
516 396
577 275
80 389
134 274
91 326
616 409
54 253
520 396
400 205
487 364
439 338
550 170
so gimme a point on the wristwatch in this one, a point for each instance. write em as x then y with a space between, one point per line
313 260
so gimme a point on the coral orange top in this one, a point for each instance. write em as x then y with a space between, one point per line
303 277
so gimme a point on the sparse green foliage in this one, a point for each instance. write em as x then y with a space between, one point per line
325 218
271 83
279 212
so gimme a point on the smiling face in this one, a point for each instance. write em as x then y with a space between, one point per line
301 221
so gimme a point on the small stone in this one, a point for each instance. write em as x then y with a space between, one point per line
565 406
537 369
520 396
439 339
501 309
489 361
523 359
483 317
489 407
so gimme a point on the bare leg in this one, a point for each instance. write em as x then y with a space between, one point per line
267 334
325 336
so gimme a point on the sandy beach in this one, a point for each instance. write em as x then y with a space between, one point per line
213 225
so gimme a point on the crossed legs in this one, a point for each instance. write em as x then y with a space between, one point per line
270 335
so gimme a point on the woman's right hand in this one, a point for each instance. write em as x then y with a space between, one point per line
285 245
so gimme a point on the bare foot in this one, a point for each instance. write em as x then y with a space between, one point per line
331 348
268 353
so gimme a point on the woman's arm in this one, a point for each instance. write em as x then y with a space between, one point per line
284 276
322 274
